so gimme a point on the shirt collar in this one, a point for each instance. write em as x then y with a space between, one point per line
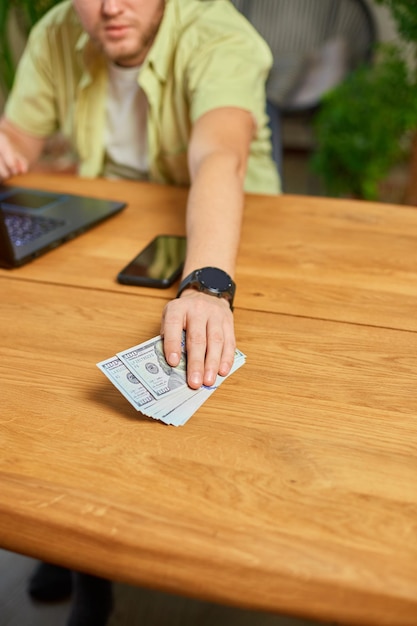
159 56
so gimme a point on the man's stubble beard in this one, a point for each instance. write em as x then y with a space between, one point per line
137 56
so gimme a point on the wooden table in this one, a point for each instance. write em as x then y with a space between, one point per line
346 261
293 489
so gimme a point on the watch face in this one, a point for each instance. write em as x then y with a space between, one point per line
215 279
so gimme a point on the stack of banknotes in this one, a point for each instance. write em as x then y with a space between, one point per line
153 387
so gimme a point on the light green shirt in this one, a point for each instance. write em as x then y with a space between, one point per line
205 56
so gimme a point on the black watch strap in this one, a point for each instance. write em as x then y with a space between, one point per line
210 280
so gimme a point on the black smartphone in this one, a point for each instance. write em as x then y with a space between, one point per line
158 265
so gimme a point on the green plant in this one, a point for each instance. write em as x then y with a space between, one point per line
26 14
362 126
404 13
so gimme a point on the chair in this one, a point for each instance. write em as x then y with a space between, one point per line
315 45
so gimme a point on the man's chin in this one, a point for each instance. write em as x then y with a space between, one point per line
126 58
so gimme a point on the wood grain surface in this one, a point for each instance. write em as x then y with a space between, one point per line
342 260
293 489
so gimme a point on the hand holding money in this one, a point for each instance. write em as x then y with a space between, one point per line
153 387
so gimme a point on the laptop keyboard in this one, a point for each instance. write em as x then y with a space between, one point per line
25 228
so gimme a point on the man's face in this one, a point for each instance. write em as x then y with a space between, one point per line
123 30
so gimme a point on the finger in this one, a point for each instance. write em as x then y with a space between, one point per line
12 165
196 339
220 351
172 325
21 165
3 173
10 160
214 351
5 170
228 355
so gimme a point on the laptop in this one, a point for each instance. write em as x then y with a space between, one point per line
33 221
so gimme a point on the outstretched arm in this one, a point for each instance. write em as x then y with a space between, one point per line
218 154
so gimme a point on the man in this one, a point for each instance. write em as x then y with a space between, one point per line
167 90
197 118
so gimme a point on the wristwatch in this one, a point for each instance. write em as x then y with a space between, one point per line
210 280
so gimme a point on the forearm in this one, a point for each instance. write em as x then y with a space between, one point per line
217 159
214 213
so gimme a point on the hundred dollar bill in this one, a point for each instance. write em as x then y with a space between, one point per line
147 362
126 383
167 397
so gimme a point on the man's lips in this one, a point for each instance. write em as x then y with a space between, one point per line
116 31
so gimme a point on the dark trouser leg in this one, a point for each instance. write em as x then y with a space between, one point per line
92 601
50 583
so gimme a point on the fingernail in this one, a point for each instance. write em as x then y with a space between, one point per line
173 358
224 369
195 379
210 377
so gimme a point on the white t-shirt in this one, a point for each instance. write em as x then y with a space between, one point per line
126 113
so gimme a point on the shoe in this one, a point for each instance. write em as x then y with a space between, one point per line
50 583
